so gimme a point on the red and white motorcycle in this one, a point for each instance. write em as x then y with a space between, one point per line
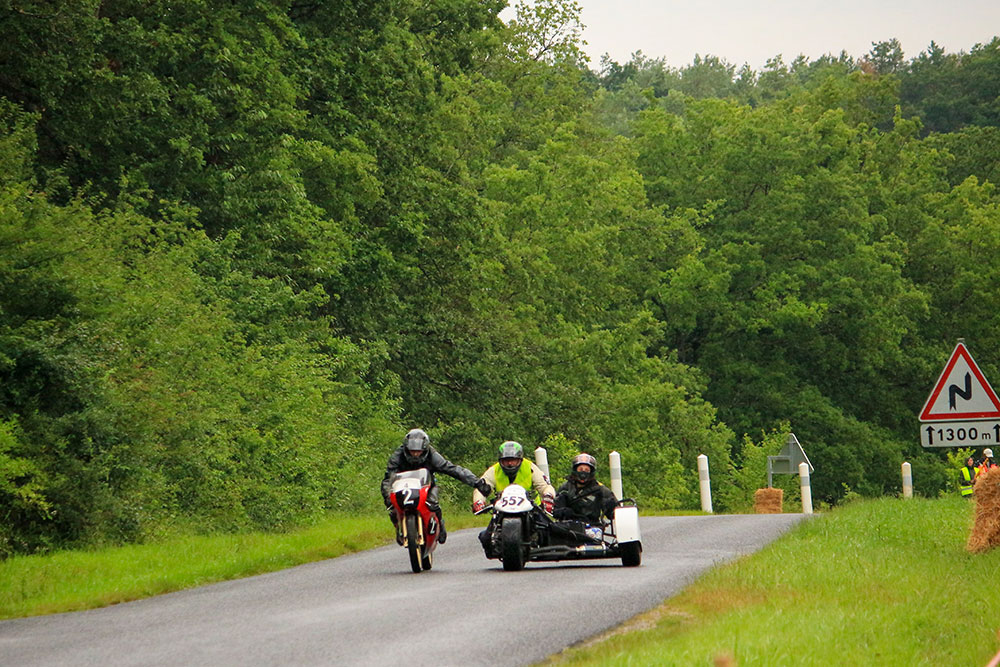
417 526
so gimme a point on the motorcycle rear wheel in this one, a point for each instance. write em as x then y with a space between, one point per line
511 545
413 543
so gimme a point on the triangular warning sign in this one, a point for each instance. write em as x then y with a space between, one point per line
961 392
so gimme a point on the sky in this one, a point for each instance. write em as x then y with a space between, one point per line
753 31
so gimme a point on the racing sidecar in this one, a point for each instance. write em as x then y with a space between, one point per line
521 531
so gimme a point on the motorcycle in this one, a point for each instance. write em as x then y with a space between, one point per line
417 526
520 531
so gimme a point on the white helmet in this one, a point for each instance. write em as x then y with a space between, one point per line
988 452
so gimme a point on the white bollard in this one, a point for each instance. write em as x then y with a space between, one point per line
907 480
615 462
542 460
807 497
705 484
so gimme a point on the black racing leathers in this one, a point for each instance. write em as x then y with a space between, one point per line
434 462
584 503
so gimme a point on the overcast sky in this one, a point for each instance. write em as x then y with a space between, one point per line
753 31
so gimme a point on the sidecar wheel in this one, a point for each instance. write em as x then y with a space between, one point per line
631 554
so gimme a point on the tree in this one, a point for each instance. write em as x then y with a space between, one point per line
884 58
797 303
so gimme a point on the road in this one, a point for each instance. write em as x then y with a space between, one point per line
370 609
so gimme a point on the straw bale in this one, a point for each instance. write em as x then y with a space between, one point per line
768 501
986 529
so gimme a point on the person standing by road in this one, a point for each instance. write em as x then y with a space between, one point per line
967 477
987 462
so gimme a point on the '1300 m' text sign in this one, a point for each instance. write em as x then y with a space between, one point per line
980 433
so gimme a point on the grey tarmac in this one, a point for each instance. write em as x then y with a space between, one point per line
370 609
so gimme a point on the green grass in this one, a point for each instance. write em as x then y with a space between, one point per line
885 582
74 580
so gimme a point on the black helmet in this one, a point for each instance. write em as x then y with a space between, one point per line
415 445
583 476
511 456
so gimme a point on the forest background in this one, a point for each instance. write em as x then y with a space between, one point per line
245 246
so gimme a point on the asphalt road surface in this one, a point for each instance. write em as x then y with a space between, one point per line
370 609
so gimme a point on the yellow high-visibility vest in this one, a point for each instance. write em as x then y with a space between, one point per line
523 478
966 483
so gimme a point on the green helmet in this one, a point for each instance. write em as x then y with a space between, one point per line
511 456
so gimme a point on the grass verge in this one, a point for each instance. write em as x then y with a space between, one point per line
75 580
882 582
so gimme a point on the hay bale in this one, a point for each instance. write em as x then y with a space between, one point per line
768 501
986 529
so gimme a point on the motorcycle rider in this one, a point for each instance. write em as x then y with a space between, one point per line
581 497
415 453
510 468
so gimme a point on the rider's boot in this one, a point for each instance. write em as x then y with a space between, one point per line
395 525
486 539
442 533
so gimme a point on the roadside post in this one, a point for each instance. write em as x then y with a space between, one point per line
705 484
807 499
615 465
907 480
542 460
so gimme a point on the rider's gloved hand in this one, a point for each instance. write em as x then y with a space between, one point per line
483 487
478 505
547 502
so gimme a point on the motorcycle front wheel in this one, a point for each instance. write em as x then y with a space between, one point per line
511 544
413 542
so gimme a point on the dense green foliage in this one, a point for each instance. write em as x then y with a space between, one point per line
244 246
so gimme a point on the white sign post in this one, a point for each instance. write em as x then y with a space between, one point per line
615 463
907 472
962 409
542 460
806 488
705 484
